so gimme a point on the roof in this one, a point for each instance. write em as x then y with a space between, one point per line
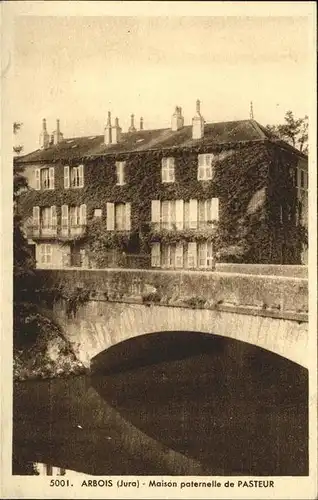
143 140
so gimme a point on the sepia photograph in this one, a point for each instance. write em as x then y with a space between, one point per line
162 251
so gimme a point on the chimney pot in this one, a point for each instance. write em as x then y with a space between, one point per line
141 123
44 140
177 120
132 127
197 123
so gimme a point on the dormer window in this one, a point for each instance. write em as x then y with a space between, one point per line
205 166
167 169
120 172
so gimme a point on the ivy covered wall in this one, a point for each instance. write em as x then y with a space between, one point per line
251 180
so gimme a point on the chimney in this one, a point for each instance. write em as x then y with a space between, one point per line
57 134
108 130
132 125
197 123
116 132
141 123
177 120
44 136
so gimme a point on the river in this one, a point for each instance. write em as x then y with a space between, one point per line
226 409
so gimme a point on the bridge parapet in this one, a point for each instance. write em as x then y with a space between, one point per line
279 296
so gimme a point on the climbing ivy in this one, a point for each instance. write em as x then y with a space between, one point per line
246 232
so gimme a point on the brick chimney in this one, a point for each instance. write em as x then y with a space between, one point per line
116 132
197 123
132 127
141 123
57 135
177 120
44 139
108 130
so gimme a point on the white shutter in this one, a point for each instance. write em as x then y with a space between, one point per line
201 167
110 214
53 217
66 177
215 209
155 255
83 215
64 218
192 255
51 178
179 214
193 214
81 176
202 250
164 172
128 216
36 217
179 255
155 213
37 179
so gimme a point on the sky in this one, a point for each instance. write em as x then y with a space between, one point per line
78 68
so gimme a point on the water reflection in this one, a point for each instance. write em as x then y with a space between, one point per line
230 410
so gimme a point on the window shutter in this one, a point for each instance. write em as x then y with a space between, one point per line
179 214
155 255
53 217
37 179
202 210
202 254
51 178
192 255
83 215
171 169
215 209
155 212
64 217
164 173
128 216
36 217
201 167
66 177
193 214
179 255
81 176
110 214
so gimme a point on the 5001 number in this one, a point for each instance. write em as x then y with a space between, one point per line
60 482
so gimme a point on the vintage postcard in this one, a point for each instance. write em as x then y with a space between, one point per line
159 335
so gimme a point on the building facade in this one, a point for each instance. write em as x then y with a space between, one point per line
180 197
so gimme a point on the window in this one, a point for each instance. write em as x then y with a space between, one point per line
44 178
73 177
167 169
98 212
120 172
155 255
168 214
118 216
75 219
46 217
46 254
205 166
205 252
168 255
208 212
191 255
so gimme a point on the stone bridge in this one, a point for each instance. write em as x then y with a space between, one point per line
98 309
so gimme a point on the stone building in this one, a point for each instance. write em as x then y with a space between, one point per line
178 197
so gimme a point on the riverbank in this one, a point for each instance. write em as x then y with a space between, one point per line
50 355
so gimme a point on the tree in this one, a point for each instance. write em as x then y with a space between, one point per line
294 131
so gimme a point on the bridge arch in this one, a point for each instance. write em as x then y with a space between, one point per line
100 327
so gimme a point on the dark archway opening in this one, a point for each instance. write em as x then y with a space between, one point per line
229 405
